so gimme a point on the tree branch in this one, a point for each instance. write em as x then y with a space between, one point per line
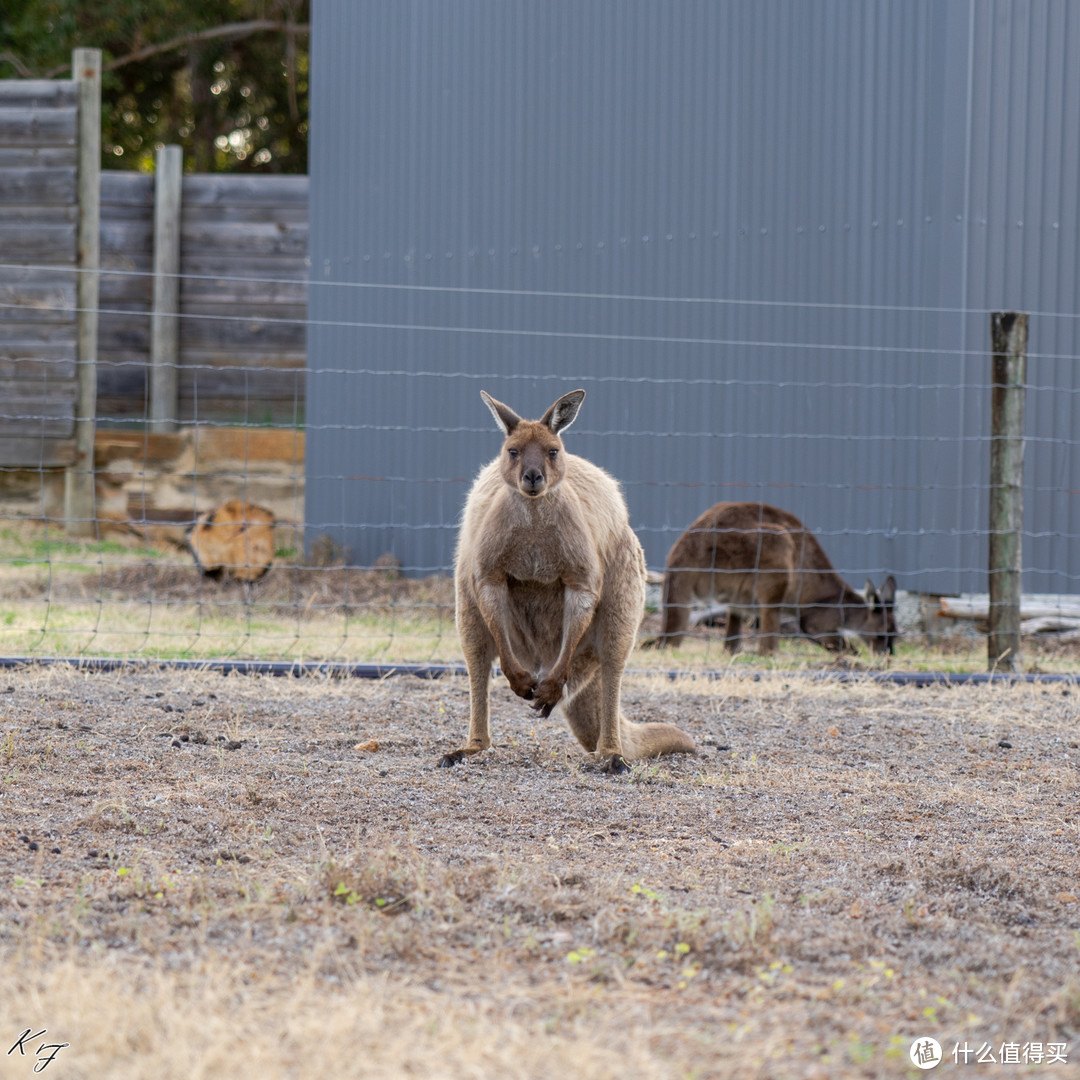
23 71
233 30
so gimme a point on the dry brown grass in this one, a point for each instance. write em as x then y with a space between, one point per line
840 869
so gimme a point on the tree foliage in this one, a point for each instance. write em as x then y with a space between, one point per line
225 79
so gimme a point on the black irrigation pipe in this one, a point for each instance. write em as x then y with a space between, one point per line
297 668
938 678
345 670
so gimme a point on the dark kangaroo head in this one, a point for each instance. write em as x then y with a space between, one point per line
878 624
830 621
532 455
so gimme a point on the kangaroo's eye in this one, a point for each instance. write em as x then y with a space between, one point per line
553 454
513 453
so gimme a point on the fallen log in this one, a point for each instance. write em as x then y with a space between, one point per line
1051 624
1032 606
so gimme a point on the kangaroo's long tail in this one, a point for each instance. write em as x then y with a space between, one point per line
648 740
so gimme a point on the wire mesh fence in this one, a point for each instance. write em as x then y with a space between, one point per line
204 544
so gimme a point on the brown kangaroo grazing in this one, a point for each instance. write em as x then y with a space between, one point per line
754 556
550 578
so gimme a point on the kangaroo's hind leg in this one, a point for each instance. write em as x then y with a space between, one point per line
588 714
582 709
680 583
770 598
732 630
479 648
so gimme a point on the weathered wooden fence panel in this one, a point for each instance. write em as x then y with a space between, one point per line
234 230
243 288
37 301
127 250
243 298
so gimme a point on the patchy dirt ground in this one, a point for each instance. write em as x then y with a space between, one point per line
210 876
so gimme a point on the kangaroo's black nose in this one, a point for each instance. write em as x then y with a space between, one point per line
533 478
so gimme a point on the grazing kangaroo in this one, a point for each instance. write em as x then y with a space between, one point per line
550 578
755 556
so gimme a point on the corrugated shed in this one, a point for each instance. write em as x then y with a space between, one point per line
750 231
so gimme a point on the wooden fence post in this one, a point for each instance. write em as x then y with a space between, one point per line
164 324
1009 333
79 511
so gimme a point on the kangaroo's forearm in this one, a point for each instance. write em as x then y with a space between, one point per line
493 600
579 606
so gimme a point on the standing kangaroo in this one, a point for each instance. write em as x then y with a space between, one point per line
756 556
551 579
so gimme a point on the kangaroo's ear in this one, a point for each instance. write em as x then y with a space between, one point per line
564 412
505 417
872 597
888 591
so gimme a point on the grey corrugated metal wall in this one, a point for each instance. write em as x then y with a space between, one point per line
750 231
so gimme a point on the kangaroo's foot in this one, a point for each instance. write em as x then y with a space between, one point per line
664 640
448 761
613 765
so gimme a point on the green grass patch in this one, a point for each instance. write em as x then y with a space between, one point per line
49 546
167 629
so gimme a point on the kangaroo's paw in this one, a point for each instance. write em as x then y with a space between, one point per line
523 683
547 695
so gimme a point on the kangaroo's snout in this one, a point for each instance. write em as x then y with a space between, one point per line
532 482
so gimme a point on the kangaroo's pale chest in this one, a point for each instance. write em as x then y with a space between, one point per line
529 557
544 542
